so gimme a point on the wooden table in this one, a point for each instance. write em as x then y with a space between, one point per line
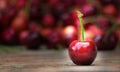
56 61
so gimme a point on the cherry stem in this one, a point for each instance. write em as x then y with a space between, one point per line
81 25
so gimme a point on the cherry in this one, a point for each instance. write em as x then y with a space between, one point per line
3 4
19 23
8 17
35 13
69 34
54 39
88 10
33 41
22 36
82 52
48 20
20 3
9 37
94 29
118 33
110 10
103 23
106 43
53 2
66 19
33 26
35 2
70 18
79 2
58 10
67 3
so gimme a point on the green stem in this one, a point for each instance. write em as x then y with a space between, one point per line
81 25
82 29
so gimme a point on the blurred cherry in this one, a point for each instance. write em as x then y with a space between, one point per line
9 37
8 17
33 41
67 3
58 10
35 2
79 2
33 26
3 4
118 33
69 34
94 29
54 39
20 22
110 10
118 19
20 3
53 2
22 36
35 13
45 31
88 35
88 10
70 18
104 23
65 17
48 20
106 43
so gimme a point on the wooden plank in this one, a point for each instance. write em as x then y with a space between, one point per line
55 61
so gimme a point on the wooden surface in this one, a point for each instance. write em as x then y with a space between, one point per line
56 61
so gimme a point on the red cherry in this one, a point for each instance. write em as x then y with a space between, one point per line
22 36
118 19
82 53
19 23
33 27
88 10
54 39
118 33
3 4
35 13
8 17
48 20
110 10
9 37
32 41
103 23
20 3
35 2
53 2
108 43
79 2
69 34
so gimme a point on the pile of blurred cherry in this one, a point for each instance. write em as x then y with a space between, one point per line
53 24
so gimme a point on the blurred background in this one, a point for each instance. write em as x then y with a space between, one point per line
52 24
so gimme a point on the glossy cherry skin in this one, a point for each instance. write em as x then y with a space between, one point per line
82 53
